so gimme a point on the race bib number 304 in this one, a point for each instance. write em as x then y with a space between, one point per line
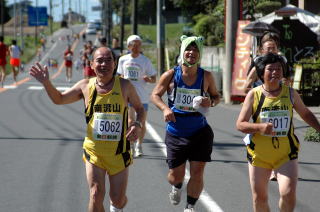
280 120
107 127
184 98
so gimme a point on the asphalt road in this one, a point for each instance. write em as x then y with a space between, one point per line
41 156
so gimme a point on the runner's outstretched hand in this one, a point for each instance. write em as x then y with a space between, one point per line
39 72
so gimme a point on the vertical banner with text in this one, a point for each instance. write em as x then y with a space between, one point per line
241 60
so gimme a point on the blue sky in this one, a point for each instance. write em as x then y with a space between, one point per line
86 6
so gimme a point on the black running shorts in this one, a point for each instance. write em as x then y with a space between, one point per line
197 147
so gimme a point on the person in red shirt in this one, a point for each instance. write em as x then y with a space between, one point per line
3 60
68 54
87 58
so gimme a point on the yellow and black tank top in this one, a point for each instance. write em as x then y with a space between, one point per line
279 111
107 120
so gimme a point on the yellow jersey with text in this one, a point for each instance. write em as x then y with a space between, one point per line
272 151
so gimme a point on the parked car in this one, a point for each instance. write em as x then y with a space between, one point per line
91 29
97 23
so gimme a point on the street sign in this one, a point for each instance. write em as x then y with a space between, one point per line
37 16
96 8
292 45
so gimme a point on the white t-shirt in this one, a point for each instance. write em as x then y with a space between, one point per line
15 51
135 69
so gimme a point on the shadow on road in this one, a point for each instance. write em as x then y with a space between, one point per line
43 139
307 180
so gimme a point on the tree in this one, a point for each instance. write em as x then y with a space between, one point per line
146 10
260 6
191 8
266 7
5 17
211 25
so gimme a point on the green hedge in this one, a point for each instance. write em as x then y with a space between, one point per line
312 135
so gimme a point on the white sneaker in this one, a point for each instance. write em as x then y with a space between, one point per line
189 210
175 195
138 150
114 209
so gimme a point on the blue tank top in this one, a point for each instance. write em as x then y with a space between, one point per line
180 99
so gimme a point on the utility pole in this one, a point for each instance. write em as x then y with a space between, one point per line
107 18
79 10
21 25
36 27
86 9
15 19
69 14
122 24
62 7
301 4
104 18
231 26
160 35
109 41
51 17
2 17
134 17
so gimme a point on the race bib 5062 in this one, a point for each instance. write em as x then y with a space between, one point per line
107 126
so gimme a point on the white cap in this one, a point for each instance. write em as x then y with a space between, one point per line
133 38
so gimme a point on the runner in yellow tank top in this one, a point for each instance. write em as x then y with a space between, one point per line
273 151
272 144
106 145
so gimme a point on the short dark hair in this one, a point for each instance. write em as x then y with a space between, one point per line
270 36
113 56
103 40
1 38
193 44
269 58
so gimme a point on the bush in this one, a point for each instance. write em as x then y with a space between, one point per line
267 7
312 135
210 28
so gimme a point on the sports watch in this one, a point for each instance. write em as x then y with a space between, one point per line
137 123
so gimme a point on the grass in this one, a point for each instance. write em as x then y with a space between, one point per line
312 135
149 35
29 50
147 32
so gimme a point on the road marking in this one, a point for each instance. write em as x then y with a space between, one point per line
46 56
62 88
205 198
10 86
74 45
35 87
41 87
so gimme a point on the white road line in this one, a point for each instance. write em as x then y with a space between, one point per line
62 88
10 86
41 87
35 87
44 59
205 198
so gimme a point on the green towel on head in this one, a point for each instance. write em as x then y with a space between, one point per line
185 42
